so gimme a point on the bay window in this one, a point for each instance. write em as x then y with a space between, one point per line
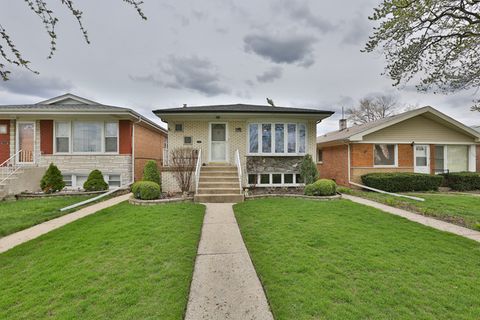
277 138
86 137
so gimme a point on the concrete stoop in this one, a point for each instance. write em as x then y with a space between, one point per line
219 184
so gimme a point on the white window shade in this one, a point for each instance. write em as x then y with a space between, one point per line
62 136
457 158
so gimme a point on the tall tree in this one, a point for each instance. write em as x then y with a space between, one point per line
373 108
10 54
434 42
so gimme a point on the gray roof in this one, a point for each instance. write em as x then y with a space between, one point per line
61 108
360 130
242 108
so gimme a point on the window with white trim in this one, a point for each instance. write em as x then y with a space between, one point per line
87 136
111 136
385 155
76 180
274 179
277 138
62 136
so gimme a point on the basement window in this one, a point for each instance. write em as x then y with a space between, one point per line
274 180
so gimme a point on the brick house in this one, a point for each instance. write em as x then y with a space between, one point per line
78 135
423 140
260 145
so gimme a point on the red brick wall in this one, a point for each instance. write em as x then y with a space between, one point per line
148 146
362 154
432 159
335 164
46 136
405 155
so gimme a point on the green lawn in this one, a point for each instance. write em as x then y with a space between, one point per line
341 260
22 214
461 209
124 262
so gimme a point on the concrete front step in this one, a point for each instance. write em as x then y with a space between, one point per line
218 173
218 168
219 184
218 190
218 179
219 198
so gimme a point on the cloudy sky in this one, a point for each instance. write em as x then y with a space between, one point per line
300 53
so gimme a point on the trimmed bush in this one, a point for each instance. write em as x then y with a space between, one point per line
322 187
308 170
150 172
95 182
402 181
146 190
462 181
52 180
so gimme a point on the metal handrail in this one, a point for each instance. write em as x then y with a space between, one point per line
12 157
197 169
239 168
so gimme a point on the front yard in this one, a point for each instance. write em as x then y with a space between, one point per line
124 262
22 214
461 209
341 260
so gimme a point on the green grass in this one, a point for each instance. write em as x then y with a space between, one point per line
341 260
461 209
22 214
124 262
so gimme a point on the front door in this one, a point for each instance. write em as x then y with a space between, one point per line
4 140
25 142
422 158
218 142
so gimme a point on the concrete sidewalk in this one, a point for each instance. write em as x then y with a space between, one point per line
225 284
427 221
12 240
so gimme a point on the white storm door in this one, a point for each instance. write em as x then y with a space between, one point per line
218 142
25 142
422 158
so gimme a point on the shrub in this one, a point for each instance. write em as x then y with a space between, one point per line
52 180
402 181
462 181
322 187
344 190
95 182
150 172
308 170
146 190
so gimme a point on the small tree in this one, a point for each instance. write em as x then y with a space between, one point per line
183 165
95 182
308 170
150 172
52 180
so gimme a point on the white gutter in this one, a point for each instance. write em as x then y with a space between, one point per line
374 189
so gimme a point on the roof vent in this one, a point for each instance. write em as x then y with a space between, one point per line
184 105
342 124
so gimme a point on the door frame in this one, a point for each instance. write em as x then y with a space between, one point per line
17 140
8 134
415 158
210 141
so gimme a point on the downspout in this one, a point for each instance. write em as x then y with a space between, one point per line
375 189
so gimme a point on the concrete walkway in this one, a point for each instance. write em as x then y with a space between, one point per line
427 221
20 237
225 284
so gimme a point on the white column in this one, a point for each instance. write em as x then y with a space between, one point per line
472 158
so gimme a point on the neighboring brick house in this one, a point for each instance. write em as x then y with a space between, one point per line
270 141
423 140
79 135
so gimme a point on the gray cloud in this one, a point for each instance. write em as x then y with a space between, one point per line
270 75
291 50
358 30
194 73
301 11
27 83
